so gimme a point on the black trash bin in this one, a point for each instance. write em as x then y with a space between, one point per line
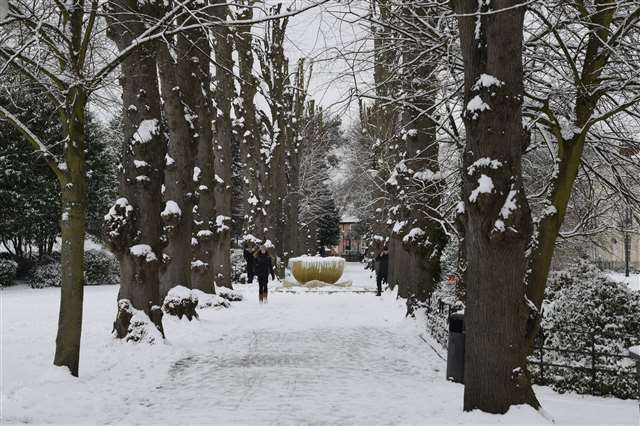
455 348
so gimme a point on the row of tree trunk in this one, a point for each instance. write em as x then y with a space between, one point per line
171 225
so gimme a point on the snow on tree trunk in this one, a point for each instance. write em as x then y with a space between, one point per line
175 75
246 123
133 226
415 251
496 212
199 97
223 154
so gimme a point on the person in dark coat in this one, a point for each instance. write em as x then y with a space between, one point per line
263 267
382 268
247 253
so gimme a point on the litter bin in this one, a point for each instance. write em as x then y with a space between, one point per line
455 348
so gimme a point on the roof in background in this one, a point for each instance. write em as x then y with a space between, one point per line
349 219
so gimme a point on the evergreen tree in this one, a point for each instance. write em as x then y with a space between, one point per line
329 221
29 192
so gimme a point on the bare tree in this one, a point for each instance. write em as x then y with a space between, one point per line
51 45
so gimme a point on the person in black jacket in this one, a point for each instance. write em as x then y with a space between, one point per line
263 267
382 268
247 253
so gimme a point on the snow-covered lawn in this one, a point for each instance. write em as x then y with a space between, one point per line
339 358
633 280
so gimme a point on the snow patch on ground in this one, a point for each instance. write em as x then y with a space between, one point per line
632 281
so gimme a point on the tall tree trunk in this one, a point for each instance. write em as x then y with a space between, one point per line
292 238
417 250
74 211
497 219
177 215
223 141
134 225
199 99
246 123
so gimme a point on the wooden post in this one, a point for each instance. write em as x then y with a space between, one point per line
634 352
542 357
593 363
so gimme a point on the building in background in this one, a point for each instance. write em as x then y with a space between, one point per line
351 246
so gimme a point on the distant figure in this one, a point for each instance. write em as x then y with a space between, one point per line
263 267
247 253
382 268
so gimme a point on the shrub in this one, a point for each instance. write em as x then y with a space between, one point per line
46 273
8 271
238 267
206 300
101 268
229 294
180 301
585 311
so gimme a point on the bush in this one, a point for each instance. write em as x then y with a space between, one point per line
206 300
181 301
101 268
584 310
229 294
8 271
46 273
238 267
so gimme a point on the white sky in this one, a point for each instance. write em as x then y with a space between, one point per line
327 35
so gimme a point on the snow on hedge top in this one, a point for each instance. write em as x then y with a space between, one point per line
179 293
146 131
317 262
143 250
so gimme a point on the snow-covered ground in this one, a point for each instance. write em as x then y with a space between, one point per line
339 358
633 280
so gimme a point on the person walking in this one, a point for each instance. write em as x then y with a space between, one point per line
249 258
263 267
382 268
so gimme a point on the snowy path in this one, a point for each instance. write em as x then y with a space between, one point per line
303 358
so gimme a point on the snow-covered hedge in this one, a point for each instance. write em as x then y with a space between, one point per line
8 271
585 311
135 326
229 294
206 300
181 301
